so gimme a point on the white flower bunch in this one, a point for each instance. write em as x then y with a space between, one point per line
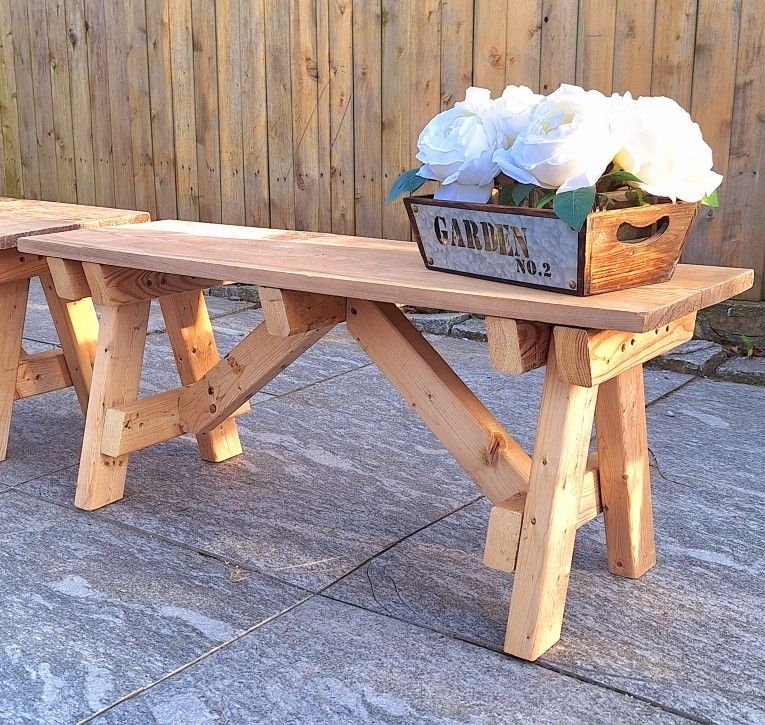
572 142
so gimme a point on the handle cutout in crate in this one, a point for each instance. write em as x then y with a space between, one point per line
630 234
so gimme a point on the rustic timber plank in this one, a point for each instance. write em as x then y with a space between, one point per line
13 307
549 520
191 337
69 279
478 442
15 265
19 217
378 270
590 357
120 286
517 346
40 373
116 376
289 313
625 477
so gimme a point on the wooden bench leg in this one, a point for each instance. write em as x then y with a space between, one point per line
550 515
191 336
116 378
625 479
77 328
13 307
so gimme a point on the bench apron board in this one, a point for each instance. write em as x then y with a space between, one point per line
593 349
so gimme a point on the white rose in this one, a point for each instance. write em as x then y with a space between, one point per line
457 146
512 109
569 141
664 148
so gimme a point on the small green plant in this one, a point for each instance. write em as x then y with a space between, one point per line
748 346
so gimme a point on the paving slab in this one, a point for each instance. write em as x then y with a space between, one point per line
99 611
328 662
46 435
688 634
438 323
336 353
316 493
743 370
472 329
513 399
695 357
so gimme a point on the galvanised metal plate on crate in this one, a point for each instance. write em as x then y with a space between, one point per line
532 247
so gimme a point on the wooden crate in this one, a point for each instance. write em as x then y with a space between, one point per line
614 250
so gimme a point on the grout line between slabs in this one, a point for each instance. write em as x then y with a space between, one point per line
196 660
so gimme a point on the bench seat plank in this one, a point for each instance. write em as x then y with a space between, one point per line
380 271
30 216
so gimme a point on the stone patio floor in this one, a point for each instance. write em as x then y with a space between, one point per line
333 573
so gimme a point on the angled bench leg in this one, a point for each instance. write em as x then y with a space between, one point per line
77 328
550 515
191 337
13 307
625 479
116 377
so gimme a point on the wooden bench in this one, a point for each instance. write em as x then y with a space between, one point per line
23 375
593 348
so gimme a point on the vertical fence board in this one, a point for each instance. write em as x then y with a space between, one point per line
119 103
101 119
228 24
58 61
633 47
712 108
742 210
305 121
140 106
42 96
279 93
206 109
456 50
182 64
674 38
490 46
559 41
323 115
161 102
79 83
367 75
13 184
341 117
397 68
595 45
524 38
254 113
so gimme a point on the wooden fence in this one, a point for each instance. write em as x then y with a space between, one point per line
300 113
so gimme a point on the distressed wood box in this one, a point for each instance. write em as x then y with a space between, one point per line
614 250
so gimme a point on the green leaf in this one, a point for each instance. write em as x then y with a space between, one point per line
405 184
505 195
545 200
748 346
521 192
621 175
710 200
574 206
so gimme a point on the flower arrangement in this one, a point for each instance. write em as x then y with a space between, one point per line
573 151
